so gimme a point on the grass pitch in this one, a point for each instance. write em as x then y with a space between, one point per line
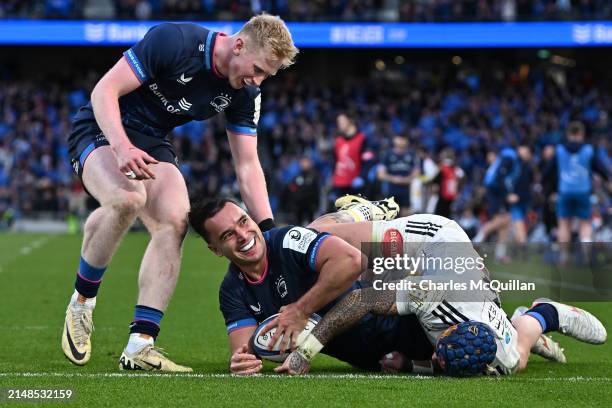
36 280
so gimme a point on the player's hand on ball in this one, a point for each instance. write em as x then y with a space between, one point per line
289 324
244 363
295 364
134 162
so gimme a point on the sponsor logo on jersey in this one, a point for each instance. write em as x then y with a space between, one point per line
299 239
221 102
295 234
256 309
393 243
76 165
281 286
183 79
169 107
184 104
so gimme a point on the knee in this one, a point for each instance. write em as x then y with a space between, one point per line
127 202
174 225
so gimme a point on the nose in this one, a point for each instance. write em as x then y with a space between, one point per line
241 234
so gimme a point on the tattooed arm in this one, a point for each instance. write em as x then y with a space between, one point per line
351 309
345 314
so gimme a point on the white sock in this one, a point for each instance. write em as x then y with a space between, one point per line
90 302
136 343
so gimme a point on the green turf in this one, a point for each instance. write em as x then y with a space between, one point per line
36 278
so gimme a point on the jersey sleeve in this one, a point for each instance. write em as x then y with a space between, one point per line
235 312
299 246
158 54
242 116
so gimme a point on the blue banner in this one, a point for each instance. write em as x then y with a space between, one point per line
334 35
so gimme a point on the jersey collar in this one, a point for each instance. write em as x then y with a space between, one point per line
263 275
209 53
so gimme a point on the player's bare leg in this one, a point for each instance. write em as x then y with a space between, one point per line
120 201
352 208
586 231
520 231
546 315
165 216
529 331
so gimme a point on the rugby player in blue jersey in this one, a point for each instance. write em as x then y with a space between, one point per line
121 151
299 271
572 172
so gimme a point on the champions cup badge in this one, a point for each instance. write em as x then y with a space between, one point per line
392 243
220 102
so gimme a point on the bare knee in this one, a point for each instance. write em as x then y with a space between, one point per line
174 225
126 203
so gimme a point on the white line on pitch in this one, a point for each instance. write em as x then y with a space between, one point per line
323 376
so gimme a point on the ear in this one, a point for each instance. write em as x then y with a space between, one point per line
238 46
215 250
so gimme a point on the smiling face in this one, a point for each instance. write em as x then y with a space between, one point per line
234 235
249 66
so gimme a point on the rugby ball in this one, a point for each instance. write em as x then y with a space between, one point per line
260 340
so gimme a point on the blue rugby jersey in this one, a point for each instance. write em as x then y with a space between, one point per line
290 272
175 65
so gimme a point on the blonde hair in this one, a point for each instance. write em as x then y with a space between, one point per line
270 33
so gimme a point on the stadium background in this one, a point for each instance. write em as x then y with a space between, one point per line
468 100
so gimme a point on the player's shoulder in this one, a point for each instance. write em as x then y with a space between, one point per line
292 237
232 281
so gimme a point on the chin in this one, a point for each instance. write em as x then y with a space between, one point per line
236 85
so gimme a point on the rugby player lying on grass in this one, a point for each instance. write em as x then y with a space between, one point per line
471 333
299 271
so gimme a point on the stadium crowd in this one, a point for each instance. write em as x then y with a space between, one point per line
317 10
440 116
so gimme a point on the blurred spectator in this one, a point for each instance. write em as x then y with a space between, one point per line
397 170
520 198
448 179
349 147
301 196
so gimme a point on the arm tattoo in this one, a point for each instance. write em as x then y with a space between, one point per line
337 217
351 309
298 364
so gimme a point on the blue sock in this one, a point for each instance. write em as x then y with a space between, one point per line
146 320
88 279
546 315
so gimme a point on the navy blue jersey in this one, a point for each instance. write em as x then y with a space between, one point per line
175 65
401 164
290 272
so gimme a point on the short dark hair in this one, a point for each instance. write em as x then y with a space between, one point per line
576 128
203 209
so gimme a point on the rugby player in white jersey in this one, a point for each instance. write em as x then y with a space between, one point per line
430 236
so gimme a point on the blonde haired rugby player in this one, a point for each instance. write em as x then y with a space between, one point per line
120 148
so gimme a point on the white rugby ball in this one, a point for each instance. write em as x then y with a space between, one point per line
260 340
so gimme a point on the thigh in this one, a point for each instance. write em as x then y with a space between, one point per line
167 197
583 207
564 206
102 178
